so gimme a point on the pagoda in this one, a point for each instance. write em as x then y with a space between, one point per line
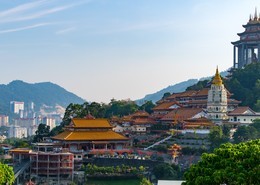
247 48
217 100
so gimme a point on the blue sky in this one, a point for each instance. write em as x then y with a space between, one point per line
104 49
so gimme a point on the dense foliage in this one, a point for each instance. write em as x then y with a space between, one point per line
18 143
43 131
117 108
246 133
198 86
229 164
6 174
123 169
219 135
245 85
166 171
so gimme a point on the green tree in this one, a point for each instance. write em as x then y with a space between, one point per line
145 181
245 85
43 131
200 85
245 133
147 106
165 171
230 164
6 174
216 137
166 95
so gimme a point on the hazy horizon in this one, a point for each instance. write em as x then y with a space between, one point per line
106 49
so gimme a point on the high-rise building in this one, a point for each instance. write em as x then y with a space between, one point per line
4 120
16 107
17 132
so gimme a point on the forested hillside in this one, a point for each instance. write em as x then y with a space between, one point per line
244 84
45 93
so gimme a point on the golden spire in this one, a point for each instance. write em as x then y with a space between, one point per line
217 79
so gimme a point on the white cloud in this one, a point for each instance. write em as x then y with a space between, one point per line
31 11
64 31
24 28
21 8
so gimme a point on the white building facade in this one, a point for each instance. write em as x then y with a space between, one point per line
217 100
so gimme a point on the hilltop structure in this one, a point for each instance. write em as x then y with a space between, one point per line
247 48
217 100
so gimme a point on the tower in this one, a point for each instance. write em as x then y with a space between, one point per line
247 49
217 100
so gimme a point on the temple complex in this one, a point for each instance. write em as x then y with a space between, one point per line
247 48
84 135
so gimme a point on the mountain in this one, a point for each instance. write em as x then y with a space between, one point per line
179 87
45 93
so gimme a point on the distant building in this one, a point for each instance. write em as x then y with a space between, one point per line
17 132
16 107
4 120
49 121
247 48
25 122
30 124
243 115
47 162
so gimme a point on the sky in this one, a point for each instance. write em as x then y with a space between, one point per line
104 49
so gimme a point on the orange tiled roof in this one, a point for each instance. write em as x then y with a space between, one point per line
89 136
241 110
165 106
182 94
181 114
138 121
140 113
89 123
202 92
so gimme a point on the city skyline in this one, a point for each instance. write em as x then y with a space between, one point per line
103 49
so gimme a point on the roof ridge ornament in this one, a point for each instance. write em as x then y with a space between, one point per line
250 18
255 17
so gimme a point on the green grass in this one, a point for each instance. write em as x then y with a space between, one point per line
114 182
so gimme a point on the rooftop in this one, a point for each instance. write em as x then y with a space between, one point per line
89 136
89 123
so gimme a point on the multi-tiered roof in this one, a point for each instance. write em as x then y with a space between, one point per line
89 130
252 30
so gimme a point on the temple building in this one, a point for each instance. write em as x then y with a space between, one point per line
247 48
83 135
217 100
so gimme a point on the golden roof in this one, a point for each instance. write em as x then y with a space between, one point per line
89 136
217 79
89 123
21 150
